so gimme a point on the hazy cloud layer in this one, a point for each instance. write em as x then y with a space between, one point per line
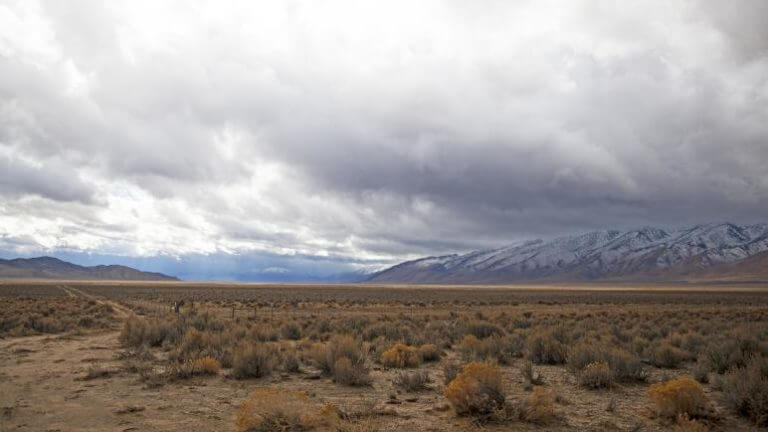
373 131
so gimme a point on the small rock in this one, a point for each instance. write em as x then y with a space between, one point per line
129 409
442 407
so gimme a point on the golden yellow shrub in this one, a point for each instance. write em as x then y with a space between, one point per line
271 409
477 389
429 352
401 356
681 396
596 375
206 366
539 407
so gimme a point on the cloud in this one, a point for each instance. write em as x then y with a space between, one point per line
378 131
49 179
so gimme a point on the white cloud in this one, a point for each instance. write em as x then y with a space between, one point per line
376 130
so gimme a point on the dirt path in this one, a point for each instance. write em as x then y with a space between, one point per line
121 312
42 389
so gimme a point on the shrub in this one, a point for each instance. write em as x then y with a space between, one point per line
530 375
137 331
500 348
413 381
320 355
583 354
347 373
450 370
325 356
539 407
746 390
668 356
273 410
290 360
470 348
544 348
195 344
731 354
681 396
254 360
429 352
291 331
482 329
623 365
205 366
476 390
701 372
346 346
596 375
508 347
401 356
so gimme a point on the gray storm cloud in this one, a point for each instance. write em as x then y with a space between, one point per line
375 130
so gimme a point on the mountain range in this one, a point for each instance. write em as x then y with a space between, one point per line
54 268
710 252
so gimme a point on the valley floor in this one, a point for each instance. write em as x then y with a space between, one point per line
79 379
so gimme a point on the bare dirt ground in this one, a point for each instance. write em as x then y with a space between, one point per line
75 381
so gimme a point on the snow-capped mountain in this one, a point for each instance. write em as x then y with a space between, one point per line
643 254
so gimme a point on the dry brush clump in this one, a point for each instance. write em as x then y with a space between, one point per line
596 375
205 366
430 353
277 410
669 356
599 366
344 358
255 360
502 349
476 390
745 390
539 407
412 381
450 369
151 332
401 356
681 396
544 347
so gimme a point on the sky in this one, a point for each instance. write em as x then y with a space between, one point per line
296 140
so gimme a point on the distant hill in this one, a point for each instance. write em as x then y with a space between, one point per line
54 268
712 252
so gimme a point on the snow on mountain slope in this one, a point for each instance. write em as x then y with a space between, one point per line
643 253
